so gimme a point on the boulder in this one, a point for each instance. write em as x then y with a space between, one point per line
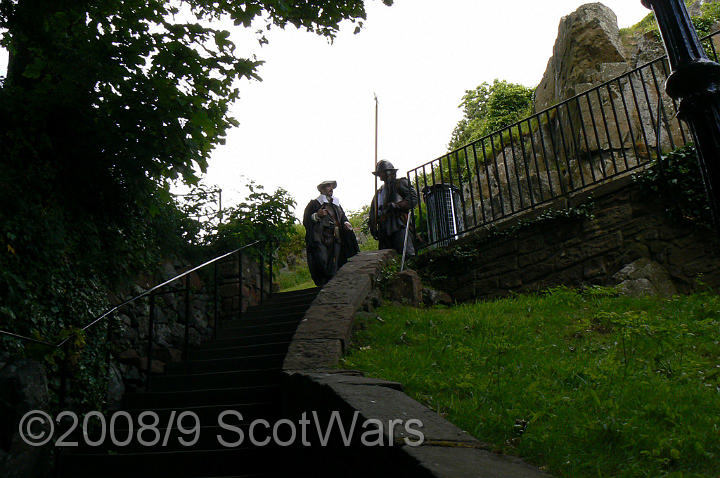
405 288
129 356
645 277
434 297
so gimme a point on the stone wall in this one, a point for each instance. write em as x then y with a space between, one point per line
626 225
130 333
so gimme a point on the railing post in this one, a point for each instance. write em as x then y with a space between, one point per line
63 374
108 340
262 272
695 83
240 285
215 300
151 333
270 266
188 312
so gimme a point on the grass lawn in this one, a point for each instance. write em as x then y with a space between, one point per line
580 383
296 278
301 286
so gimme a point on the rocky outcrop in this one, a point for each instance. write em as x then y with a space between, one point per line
588 51
695 9
601 112
597 117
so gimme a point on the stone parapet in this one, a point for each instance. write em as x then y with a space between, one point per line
414 441
325 331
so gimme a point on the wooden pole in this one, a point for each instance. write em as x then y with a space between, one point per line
376 162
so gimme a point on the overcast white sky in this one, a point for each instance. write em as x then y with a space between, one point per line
313 116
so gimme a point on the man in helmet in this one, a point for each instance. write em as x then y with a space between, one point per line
390 209
329 236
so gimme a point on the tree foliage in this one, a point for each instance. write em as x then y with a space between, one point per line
106 102
704 23
260 217
360 220
488 108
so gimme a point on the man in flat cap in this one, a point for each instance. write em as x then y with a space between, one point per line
329 236
390 210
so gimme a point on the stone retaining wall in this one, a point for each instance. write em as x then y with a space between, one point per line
626 225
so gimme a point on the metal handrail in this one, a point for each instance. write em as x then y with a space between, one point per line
576 144
129 301
152 293
159 286
26 339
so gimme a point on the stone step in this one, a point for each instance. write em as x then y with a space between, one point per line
250 362
284 299
239 350
279 300
276 314
243 462
231 430
239 373
261 309
302 293
208 414
244 330
184 381
247 340
213 396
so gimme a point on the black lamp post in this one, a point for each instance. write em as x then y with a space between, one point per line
695 83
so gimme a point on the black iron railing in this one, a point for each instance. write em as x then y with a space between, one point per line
177 285
610 130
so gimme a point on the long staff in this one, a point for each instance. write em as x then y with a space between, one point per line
407 228
376 162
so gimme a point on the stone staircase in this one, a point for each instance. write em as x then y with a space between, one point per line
239 372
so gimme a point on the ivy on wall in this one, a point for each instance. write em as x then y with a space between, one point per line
677 182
